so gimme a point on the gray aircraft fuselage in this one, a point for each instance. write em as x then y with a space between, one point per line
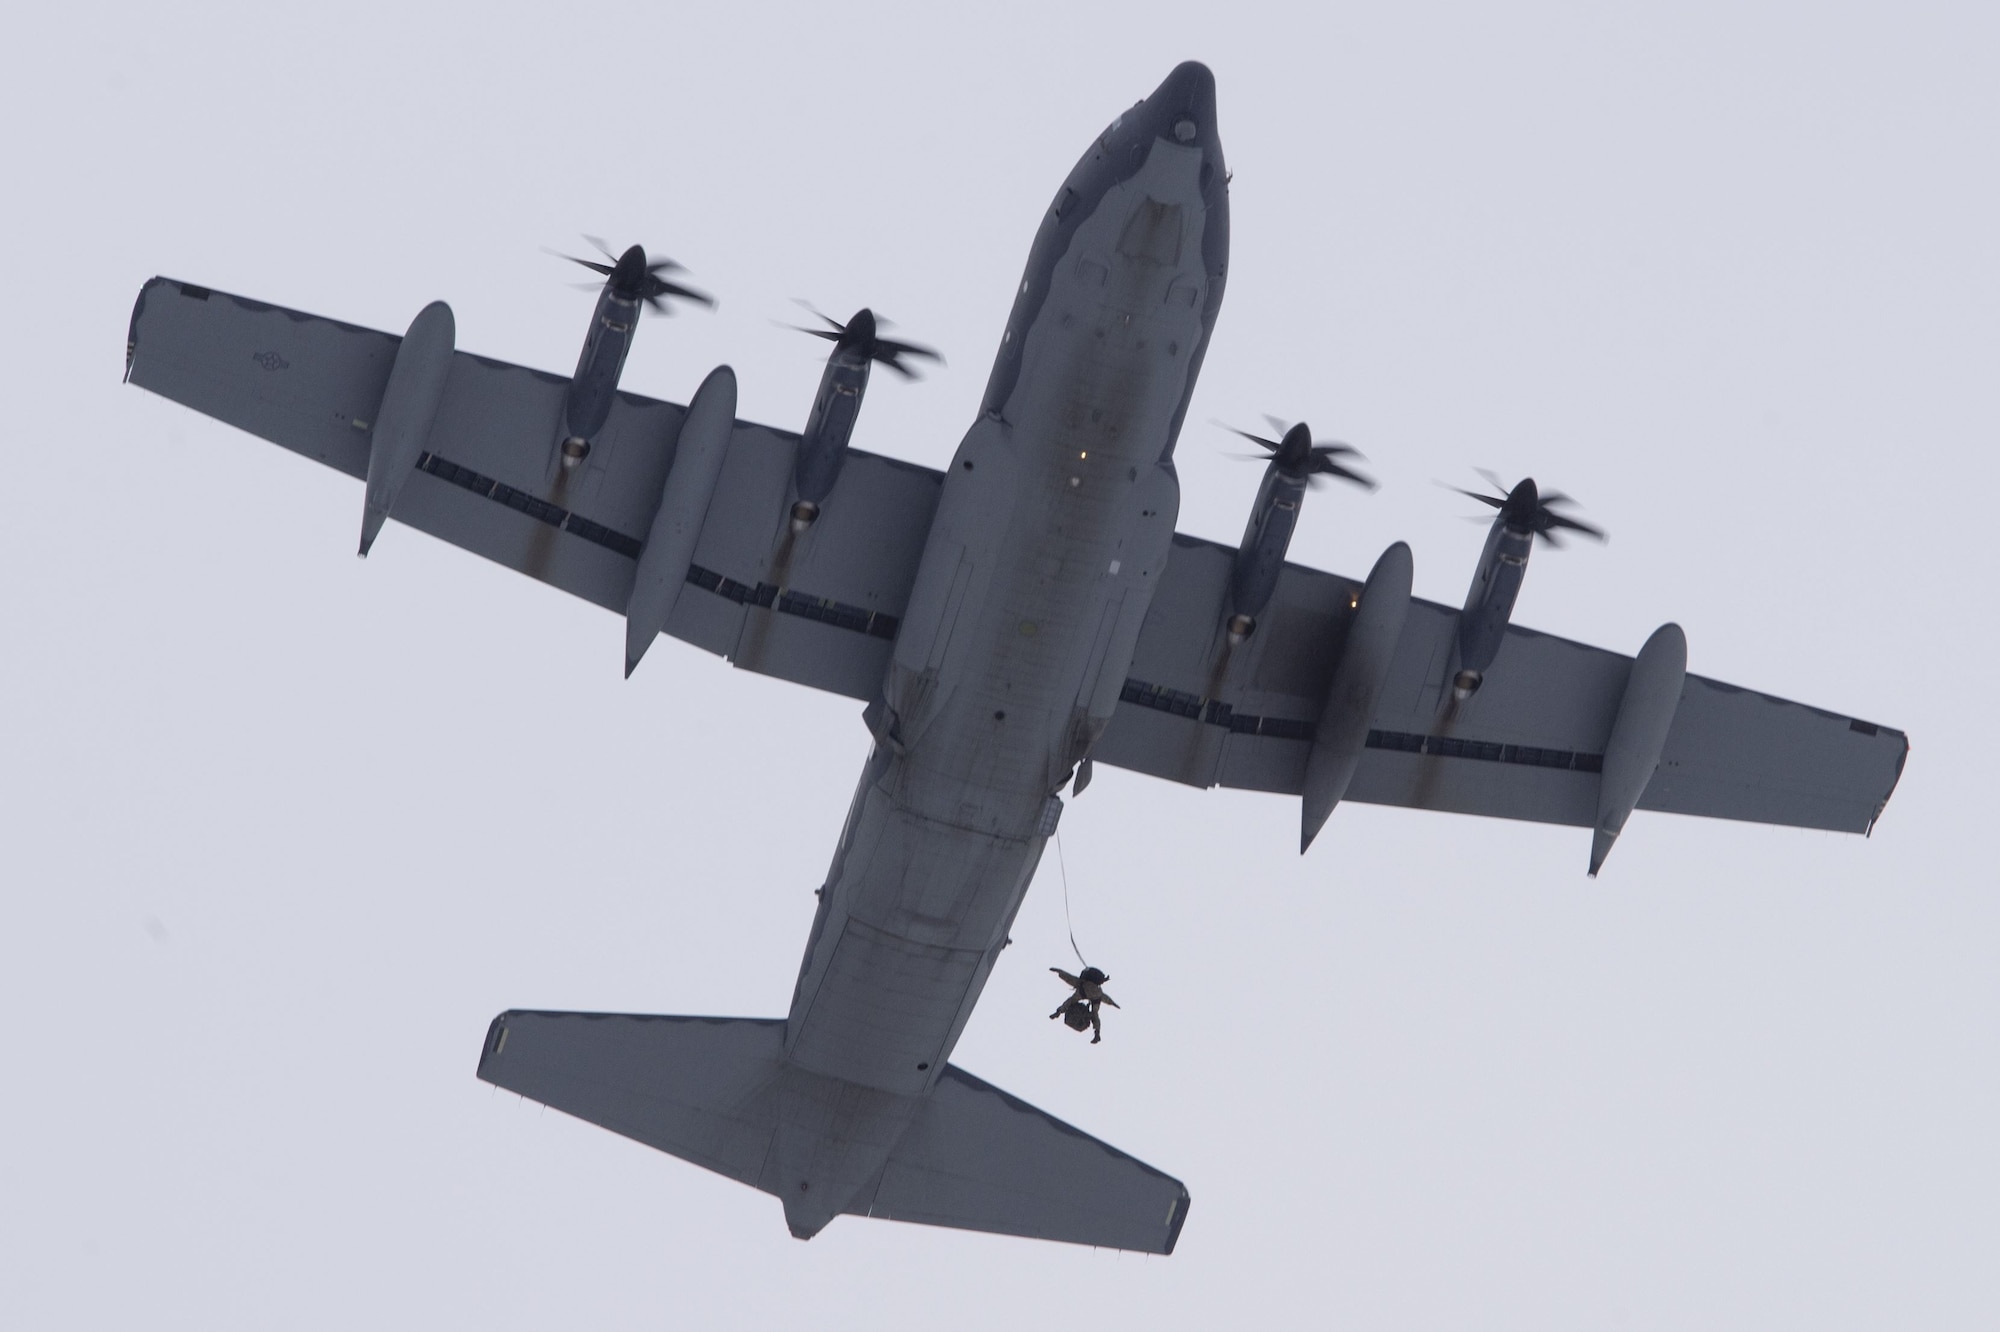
1051 533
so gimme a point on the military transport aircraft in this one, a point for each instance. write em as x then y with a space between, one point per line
1007 622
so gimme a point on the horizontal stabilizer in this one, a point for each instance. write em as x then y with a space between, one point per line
978 1159
696 1088
718 1092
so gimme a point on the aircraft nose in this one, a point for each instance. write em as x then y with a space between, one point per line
1185 102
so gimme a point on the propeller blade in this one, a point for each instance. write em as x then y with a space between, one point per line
1259 440
1278 427
590 264
1556 520
1321 452
656 290
659 287
883 351
890 350
1335 469
1545 522
838 327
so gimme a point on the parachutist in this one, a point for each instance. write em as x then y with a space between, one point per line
1080 1009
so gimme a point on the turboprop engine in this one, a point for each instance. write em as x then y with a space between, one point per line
1296 463
1524 514
629 282
857 345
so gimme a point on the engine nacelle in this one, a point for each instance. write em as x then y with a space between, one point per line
1489 604
823 447
1524 513
1261 556
629 282
1296 463
595 384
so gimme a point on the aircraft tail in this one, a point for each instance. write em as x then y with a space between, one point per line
720 1093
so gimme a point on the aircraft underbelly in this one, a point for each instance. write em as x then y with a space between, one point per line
1053 528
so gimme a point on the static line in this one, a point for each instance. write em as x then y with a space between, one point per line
1068 922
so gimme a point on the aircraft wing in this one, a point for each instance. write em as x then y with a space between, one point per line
1529 745
489 482
824 611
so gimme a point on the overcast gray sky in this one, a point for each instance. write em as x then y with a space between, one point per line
283 830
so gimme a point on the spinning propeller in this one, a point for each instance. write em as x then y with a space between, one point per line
859 333
1529 510
1300 457
636 280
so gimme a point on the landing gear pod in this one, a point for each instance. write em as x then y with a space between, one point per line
1357 686
409 407
690 485
1639 735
